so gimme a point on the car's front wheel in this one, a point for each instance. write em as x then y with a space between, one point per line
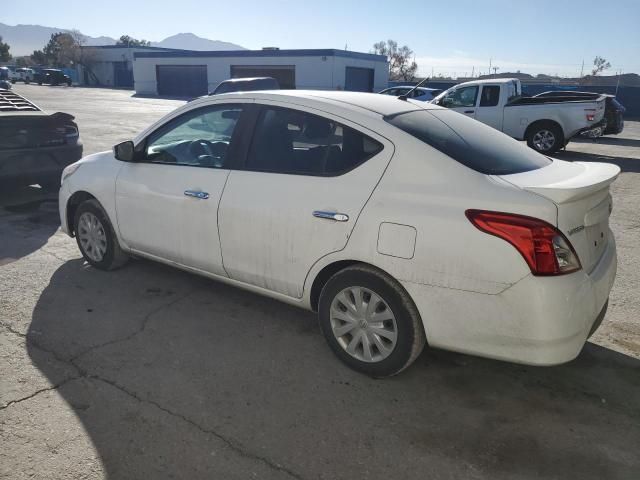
370 322
96 238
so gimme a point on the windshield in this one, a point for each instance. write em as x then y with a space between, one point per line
469 142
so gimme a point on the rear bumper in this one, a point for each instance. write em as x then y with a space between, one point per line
537 321
36 164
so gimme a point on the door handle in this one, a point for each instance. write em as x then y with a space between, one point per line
196 194
469 111
338 217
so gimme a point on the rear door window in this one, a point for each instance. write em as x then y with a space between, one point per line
469 142
490 96
296 142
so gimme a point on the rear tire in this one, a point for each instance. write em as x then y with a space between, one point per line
382 321
96 238
545 137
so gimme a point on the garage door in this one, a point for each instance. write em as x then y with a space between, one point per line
284 74
358 79
182 80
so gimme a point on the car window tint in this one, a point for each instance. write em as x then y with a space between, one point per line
461 97
198 138
490 96
469 142
291 141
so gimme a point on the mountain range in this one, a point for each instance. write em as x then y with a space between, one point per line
24 39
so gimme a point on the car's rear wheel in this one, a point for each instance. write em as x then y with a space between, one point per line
370 322
96 238
545 138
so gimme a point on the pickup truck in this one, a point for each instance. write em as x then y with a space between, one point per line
547 123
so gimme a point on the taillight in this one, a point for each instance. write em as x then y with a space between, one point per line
545 249
591 114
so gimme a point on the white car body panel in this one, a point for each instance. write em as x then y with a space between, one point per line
474 291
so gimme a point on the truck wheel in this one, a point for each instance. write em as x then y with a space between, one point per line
545 138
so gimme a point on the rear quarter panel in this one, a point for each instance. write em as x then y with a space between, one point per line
424 189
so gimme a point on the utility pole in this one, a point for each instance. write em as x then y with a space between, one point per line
473 69
582 69
490 66
495 70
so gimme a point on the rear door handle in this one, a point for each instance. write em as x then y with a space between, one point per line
469 111
196 194
338 217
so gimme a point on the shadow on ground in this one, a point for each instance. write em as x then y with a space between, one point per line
631 165
182 377
28 217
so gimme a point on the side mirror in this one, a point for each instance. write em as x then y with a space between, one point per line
447 101
124 151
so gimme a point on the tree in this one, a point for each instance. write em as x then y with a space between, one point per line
401 67
132 42
24 62
67 49
5 56
39 57
599 65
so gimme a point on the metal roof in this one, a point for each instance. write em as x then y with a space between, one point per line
325 52
12 102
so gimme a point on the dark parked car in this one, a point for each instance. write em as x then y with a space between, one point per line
35 146
613 109
246 85
52 76
4 78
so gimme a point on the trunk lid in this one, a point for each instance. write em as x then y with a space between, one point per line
580 191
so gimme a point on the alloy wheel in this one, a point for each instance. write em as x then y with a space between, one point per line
544 140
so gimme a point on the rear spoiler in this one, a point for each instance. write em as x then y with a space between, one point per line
562 185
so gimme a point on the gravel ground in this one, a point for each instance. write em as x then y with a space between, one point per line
149 372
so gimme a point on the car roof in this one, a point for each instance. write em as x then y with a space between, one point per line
373 102
246 79
489 80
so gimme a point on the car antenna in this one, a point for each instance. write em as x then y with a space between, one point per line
404 96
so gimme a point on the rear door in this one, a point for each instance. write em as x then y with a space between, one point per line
489 110
306 178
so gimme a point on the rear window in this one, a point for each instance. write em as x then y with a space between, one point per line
469 142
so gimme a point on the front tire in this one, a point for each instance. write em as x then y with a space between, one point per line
96 238
545 138
370 322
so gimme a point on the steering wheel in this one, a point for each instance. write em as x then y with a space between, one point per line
208 153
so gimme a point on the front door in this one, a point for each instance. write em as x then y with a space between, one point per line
167 202
298 197
462 100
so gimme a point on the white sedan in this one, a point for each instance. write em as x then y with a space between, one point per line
401 223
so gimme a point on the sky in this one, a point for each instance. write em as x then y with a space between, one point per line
449 38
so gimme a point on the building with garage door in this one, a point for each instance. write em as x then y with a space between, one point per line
193 73
110 65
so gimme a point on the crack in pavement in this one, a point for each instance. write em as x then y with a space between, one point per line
235 446
38 392
142 328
